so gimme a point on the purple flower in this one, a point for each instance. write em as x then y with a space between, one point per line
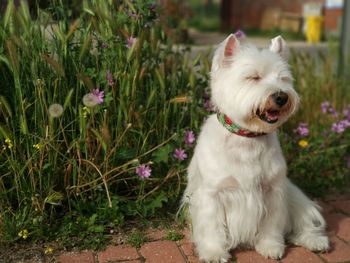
189 138
144 171
302 129
104 45
133 15
130 41
208 106
206 95
346 112
324 106
180 154
99 95
332 111
345 123
240 34
338 128
109 78
152 7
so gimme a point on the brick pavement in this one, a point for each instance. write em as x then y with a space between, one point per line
336 209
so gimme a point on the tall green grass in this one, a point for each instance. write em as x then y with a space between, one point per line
85 159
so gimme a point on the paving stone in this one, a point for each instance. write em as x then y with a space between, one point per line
162 252
130 261
326 207
188 249
250 256
155 234
86 257
339 224
343 205
113 253
335 196
340 251
193 259
300 254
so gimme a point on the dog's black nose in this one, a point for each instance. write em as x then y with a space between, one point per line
280 98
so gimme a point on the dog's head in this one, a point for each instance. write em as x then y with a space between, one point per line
253 87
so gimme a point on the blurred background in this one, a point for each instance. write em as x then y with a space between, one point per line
311 20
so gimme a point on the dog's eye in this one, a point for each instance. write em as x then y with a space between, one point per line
286 79
254 77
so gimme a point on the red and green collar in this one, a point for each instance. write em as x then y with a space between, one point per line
234 128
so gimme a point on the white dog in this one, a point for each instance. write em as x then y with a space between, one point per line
237 191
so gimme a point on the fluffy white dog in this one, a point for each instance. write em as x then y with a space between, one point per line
237 191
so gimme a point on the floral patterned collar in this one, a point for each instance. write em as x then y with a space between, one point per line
234 128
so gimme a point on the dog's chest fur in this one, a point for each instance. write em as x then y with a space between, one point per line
238 161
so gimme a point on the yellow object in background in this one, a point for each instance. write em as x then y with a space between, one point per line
313 29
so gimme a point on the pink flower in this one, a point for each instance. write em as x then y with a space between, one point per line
99 95
130 41
240 34
189 138
338 128
180 154
109 78
208 106
302 129
144 171
324 106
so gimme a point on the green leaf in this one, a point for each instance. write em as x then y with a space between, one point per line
126 154
162 154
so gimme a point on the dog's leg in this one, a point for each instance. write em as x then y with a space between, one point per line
270 241
308 225
208 226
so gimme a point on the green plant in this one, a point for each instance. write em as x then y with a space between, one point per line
84 102
136 238
174 236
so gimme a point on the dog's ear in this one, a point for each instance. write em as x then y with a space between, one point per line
279 46
231 46
224 54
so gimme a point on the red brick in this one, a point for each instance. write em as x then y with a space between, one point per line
326 207
340 251
300 254
86 257
162 252
193 259
155 234
113 253
132 261
250 256
187 233
339 224
343 205
334 197
188 249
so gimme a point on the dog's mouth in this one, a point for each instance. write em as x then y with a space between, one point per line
270 115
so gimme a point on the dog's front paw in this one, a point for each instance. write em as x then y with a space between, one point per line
313 242
213 254
270 249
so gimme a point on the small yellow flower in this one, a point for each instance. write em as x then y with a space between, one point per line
86 111
8 144
49 250
303 143
38 146
23 234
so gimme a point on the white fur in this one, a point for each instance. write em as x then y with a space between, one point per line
237 191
